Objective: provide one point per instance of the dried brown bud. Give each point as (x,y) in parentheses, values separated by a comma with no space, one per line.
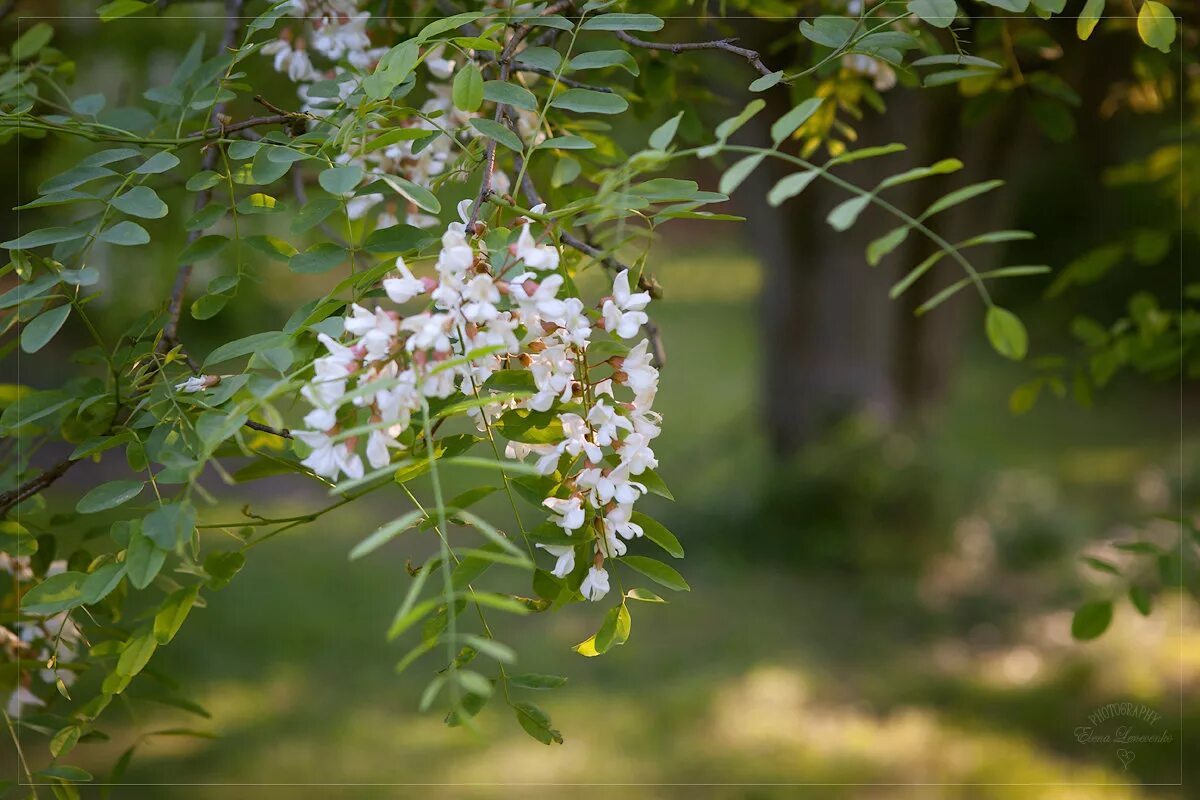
(537,346)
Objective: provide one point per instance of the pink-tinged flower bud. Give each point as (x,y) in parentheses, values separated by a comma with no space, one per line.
(352,443)
(419,357)
(429,283)
(472,330)
(598,561)
(530,286)
(503,287)
(549,327)
(537,346)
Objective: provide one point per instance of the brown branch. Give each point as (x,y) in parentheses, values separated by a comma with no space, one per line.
(258,426)
(716,44)
(233,11)
(34,485)
(488,58)
(505,60)
(223,130)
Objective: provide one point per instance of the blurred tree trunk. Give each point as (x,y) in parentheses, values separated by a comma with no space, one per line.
(834,343)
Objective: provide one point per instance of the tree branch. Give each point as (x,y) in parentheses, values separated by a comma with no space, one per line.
(716,44)
(233,11)
(505,61)
(34,485)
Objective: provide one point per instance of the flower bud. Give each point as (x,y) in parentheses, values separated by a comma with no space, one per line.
(536,346)
(530,286)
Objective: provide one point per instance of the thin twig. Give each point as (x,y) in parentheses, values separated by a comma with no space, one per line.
(222,130)
(34,485)
(233,11)
(505,61)
(258,426)
(716,44)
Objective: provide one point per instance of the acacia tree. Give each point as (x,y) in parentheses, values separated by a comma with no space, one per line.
(453,173)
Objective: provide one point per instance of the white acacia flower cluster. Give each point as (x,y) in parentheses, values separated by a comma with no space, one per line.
(339,35)
(46,640)
(478,317)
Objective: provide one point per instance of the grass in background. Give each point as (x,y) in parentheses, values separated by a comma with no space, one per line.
(957,668)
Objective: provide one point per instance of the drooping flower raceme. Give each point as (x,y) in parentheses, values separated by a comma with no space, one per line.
(507,336)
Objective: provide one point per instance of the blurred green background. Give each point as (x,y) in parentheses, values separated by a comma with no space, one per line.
(884,606)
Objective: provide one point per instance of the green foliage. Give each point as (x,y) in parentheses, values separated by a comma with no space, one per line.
(184,156)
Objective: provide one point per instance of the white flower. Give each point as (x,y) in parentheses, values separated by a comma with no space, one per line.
(22,698)
(639,375)
(553,375)
(357,207)
(330,458)
(537,299)
(456,256)
(574,326)
(623,313)
(386,219)
(479,296)
(198,383)
(335,40)
(439,67)
(569,511)
(404,288)
(377,330)
(429,332)
(595,584)
(605,422)
(292,60)
(636,455)
(378,444)
(565,555)
(617,521)
(542,257)
(611,485)
(576,431)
